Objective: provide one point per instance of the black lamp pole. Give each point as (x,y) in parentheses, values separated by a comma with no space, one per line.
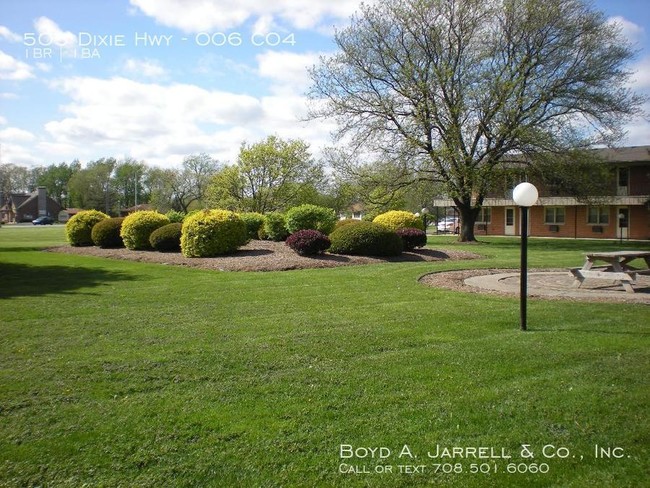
(523,278)
(525,195)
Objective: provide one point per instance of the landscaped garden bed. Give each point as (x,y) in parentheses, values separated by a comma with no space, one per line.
(260,255)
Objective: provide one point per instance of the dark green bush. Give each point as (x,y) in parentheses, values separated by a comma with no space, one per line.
(312,217)
(79,228)
(106,233)
(138,226)
(254,222)
(167,238)
(212,232)
(344,222)
(412,238)
(275,227)
(308,242)
(365,239)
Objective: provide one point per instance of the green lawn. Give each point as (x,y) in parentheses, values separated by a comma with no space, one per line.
(118,373)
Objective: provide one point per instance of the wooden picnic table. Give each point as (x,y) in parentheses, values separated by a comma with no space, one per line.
(617,267)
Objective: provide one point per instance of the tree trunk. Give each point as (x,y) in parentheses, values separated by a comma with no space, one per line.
(468,215)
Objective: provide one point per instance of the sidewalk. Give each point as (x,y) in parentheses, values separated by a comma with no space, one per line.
(560,284)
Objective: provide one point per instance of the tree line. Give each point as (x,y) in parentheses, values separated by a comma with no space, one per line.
(272,174)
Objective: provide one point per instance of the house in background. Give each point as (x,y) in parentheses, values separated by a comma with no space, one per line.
(354,211)
(623,215)
(25,207)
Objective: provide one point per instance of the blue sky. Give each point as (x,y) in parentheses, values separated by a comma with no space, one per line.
(158,80)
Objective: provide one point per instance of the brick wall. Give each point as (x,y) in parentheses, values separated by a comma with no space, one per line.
(575,223)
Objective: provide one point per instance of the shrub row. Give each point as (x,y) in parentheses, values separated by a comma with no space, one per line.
(213,232)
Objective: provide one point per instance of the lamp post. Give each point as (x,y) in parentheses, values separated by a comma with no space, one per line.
(525,195)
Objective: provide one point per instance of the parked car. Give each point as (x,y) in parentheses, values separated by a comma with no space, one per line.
(43,221)
(448,224)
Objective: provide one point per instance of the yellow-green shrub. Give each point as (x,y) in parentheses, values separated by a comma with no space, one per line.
(211,233)
(399,219)
(79,228)
(138,226)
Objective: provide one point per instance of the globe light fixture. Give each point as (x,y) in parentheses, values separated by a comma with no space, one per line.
(525,195)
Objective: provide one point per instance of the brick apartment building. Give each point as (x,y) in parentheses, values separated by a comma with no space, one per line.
(625,214)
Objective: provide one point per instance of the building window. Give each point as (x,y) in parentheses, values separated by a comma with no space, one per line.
(484,216)
(598,215)
(623,182)
(554,215)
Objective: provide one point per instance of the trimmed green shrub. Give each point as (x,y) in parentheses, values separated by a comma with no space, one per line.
(275,227)
(79,228)
(190,213)
(138,226)
(365,239)
(211,233)
(399,219)
(344,222)
(167,238)
(175,216)
(412,238)
(106,233)
(254,222)
(312,217)
(308,242)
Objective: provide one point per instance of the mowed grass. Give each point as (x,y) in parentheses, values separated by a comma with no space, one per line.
(118,373)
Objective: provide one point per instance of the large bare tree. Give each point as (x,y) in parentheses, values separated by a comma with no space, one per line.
(449,89)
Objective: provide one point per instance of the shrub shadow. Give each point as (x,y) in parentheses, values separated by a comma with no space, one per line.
(28,280)
(421,255)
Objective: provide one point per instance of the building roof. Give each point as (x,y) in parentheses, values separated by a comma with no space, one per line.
(625,154)
(18,199)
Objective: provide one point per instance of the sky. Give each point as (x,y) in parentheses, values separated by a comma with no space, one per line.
(158,80)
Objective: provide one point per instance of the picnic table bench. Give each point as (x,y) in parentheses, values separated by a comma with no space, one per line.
(617,268)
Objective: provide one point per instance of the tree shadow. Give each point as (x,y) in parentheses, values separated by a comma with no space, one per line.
(28,280)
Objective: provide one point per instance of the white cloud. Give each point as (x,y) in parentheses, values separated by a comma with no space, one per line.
(16,146)
(49,33)
(13,69)
(8,96)
(147,119)
(14,134)
(199,15)
(147,68)
(641,76)
(633,32)
(287,71)
(44,67)
(163,123)
(264,25)
(46,27)
(3,120)
(5,33)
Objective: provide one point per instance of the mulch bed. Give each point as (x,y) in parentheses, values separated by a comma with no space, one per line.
(262,256)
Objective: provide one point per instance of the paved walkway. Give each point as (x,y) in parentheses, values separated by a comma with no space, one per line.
(560,284)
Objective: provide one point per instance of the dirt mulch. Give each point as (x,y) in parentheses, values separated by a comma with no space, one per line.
(262,256)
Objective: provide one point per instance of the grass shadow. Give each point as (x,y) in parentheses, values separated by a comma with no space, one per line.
(28,280)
